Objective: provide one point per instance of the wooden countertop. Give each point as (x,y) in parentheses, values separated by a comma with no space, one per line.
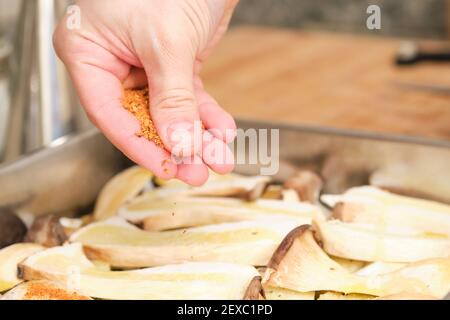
(335,80)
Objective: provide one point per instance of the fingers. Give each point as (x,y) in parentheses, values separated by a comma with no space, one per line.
(193,172)
(219,122)
(216,154)
(100,92)
(120,127)
(173,105)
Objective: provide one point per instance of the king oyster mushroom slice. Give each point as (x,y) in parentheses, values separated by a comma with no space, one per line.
(231,185)
(71,225)
(382,208)
(300,264)
(42,290)
(195,280)
(123,245)
(273,191)
(290,195)
(47,231)
(378,267)
(407,296)
(330,295)
(10,257)
(367,242)
(277,293)
(119,190)
(180,212)
(350,265)
(12,228)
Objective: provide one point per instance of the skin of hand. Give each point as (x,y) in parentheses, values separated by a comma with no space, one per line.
(162,44)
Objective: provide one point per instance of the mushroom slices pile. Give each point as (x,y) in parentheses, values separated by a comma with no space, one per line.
(236,237)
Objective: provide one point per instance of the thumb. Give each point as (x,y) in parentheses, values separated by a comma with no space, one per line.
(173,105)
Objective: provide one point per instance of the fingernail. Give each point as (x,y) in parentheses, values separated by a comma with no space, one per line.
(180,136)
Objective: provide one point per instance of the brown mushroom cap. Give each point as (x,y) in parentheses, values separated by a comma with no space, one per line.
(255,289)
(47,231)
(12,228)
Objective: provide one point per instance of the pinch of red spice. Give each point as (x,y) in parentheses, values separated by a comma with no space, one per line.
(136,101)
(41,291)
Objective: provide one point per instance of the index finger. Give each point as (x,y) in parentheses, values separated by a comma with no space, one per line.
(100,93)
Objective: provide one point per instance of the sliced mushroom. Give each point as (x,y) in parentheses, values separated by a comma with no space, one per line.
(307,184)
(377,268)
(290,195)
(71,225)
(69,265)
(180,212)
(254,290)
(300,264)
(12,228)
(330,295)
(273,192)
(42,290)
(368,242)
(123,245)
(407,296)
(276,293)
(47,231)
(350,265)
(382,208)
(10,257)
(119,190)
(230,185)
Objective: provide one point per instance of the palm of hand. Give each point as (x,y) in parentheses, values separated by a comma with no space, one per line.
(161,44)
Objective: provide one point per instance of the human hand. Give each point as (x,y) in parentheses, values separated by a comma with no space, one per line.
(162,44)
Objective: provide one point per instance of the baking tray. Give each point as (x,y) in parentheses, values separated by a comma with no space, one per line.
(66,177)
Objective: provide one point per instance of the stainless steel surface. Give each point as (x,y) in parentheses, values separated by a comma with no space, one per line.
(61,178)
(65,177)
(5,50)
(68,175)
(44,106)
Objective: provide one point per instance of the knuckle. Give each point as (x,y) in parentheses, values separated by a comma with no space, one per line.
(173,100)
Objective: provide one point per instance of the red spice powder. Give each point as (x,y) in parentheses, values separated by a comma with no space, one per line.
(137,102)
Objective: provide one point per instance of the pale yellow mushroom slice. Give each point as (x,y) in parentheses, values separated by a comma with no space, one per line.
(300,264)
(180,212)
(231,185)
(123,245)
(119,190)
(350,265)
(382,208)
(290,195)
(330,295)
(370,243)
(71,225)
(407,296)
(68,265)
(10,257)
(273,191)
(378,267)
(42,290)
(276,293)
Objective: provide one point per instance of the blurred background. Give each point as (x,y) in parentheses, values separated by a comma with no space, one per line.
(299,61)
